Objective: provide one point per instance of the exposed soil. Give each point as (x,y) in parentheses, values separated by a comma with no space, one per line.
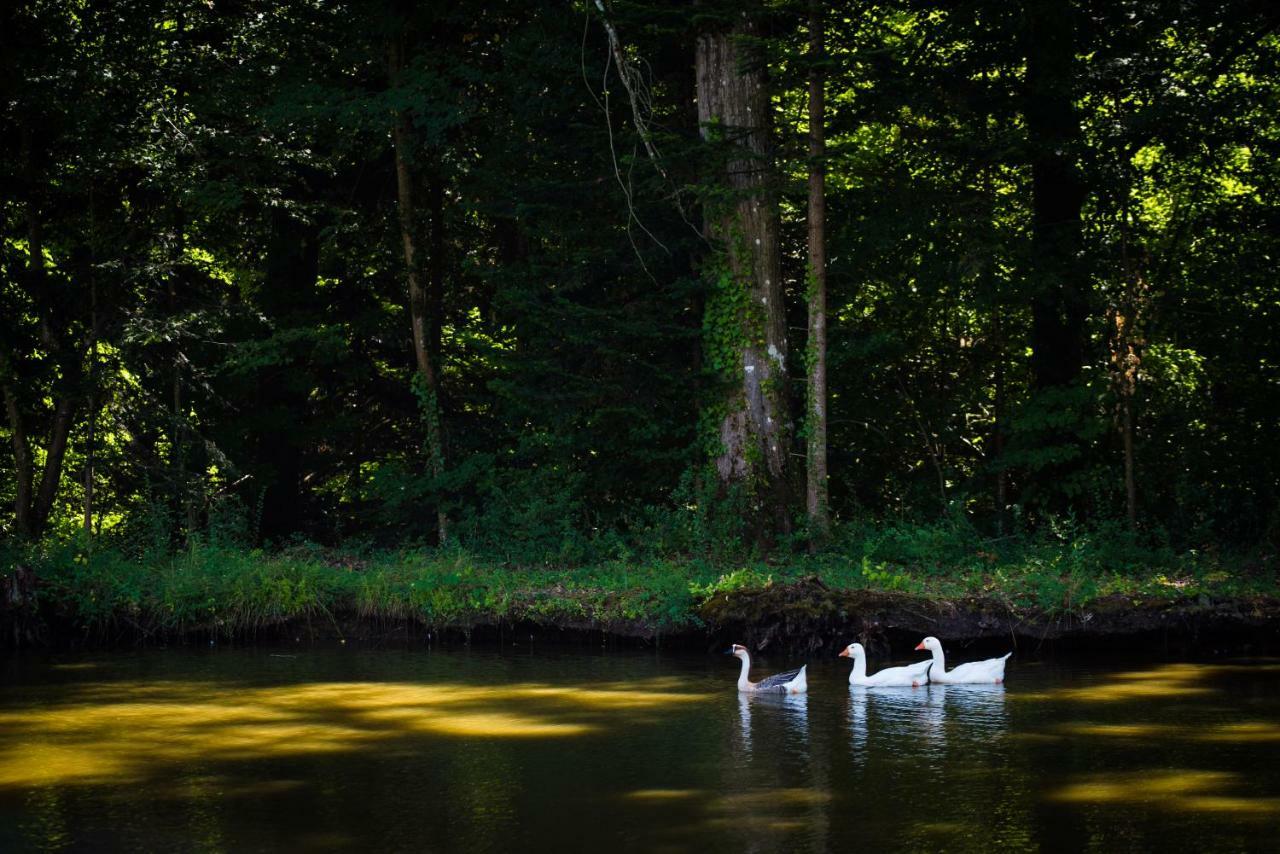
(810,617)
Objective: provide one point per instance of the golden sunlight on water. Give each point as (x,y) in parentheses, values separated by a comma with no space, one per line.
(1179,791)
(1246,731)
(1164,682)
(118,732)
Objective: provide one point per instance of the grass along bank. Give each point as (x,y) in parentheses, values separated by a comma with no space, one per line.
(231,591)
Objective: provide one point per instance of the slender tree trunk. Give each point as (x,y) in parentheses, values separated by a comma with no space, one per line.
(436,267)
(744,310)
(34,505)
(1130,479)
(64,406)
(183,506)
(92,403)
(177,459)
(998,426)
(63,416)
(816,496)
(1127,320)
(401,137)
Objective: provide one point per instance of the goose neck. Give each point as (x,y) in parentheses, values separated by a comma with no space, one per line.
(939,661)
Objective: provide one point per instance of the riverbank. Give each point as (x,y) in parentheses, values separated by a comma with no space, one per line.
(65,594)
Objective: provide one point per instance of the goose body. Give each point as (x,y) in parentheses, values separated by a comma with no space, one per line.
(790,682)
(990,671)
(913,675)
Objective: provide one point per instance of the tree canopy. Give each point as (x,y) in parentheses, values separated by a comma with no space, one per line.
(534,276)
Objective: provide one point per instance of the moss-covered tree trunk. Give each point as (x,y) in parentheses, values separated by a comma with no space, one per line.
(745,329)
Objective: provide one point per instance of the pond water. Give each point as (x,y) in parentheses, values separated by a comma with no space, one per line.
(524,749)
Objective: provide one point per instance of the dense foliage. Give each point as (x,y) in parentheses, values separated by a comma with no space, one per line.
(1052,229)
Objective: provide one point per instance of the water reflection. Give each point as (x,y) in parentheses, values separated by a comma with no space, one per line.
(857,719)
(791,710)
(754,806)
(981,708)
(901,718)
(911,714)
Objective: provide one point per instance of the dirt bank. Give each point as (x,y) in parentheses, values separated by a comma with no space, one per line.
(808,616)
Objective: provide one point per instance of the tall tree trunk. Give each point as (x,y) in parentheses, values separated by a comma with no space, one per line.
(436,266)
(63,416)
(745,321)
(816,497)
(1128,316)
(1059,304)
(183,500)
(92,395)
(998,424)
(401,138)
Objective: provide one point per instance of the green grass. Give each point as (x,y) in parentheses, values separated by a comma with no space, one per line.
(229,590)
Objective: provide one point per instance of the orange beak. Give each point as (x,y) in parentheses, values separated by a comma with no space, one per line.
(844,653)
(920,645)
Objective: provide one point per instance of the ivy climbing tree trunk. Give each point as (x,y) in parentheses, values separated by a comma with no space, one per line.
(746,333)
(816,501)
(427,384)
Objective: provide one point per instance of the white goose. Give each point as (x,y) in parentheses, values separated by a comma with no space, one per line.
(791,682)
(989,671)
(914,675)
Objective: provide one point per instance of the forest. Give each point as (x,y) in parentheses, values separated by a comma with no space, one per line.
(905,294)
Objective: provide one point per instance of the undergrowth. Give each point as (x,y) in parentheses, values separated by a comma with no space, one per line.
(227,589)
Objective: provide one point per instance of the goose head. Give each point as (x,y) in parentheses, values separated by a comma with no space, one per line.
(737,650)
(853,650)
(930,643)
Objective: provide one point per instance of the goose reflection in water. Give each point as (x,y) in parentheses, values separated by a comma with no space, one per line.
(858,718)
(969,712)
(982,708)
(893,712)
(791,709)
(925,717)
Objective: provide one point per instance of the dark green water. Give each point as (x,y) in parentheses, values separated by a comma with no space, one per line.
(429,750)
